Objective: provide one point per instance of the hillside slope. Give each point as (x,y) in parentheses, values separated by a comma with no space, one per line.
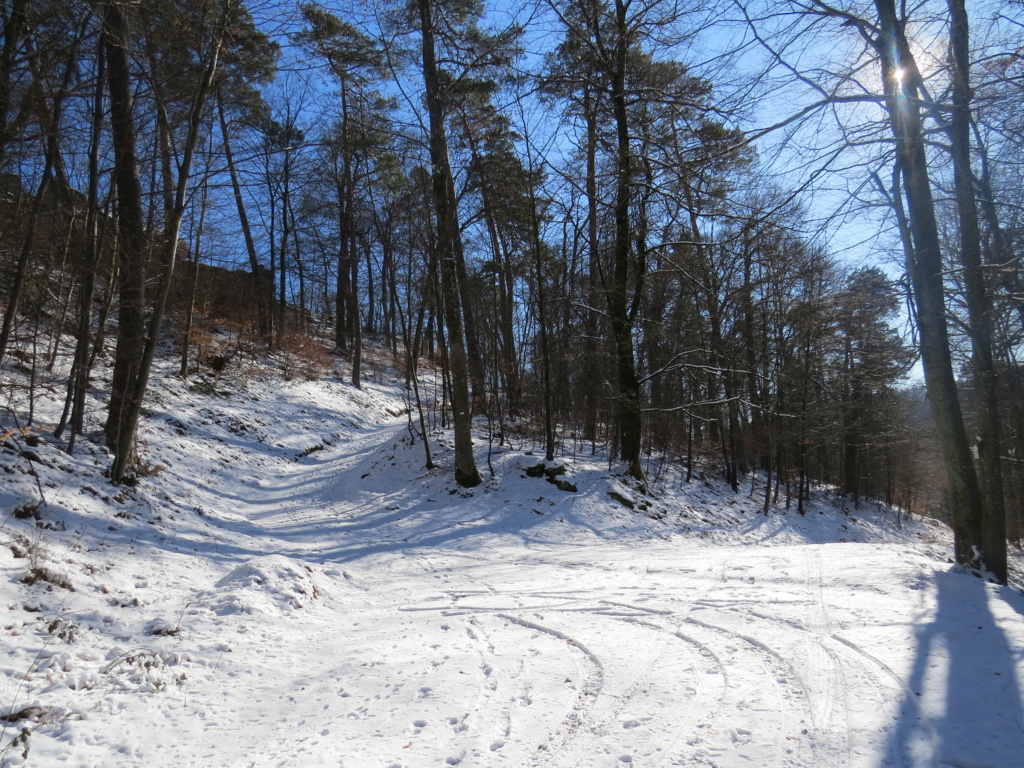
(289,587)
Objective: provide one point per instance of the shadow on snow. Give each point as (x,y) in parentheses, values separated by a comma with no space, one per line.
(963,701)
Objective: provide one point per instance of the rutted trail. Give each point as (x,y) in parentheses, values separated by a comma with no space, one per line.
(534,653)
(479,643)
(324,600)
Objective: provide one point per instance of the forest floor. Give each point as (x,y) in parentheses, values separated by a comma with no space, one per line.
(288,586)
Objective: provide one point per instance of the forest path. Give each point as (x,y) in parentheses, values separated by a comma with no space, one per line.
(452,631)
(293,588)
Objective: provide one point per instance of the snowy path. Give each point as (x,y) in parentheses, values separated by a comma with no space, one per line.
(345,607)
(448,636)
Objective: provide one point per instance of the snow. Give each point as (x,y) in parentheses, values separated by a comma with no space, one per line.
(288,586)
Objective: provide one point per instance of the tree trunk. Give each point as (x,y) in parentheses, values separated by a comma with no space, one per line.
(545,350)
(186,336)
(617,291)
(78,381)
(357,325)
(591,318)
(14,27)
(262,306)
(900,77)
(342,301)
(282,275)
(131,327)
(50,161)
(979,303)
(130,408)
(466,472)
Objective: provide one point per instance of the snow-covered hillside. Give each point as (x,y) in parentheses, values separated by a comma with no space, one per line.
(288,586)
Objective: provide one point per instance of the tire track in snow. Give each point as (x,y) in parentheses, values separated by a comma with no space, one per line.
(855,699)
(643,709)
(592,672)
(827,677)
(703,707)
(645,701)
(870,690)
(850,673)
(910,698)
(618,712)
(824,666)
(631,715)
(774,734)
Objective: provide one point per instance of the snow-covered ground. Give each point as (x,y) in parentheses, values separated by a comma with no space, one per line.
(290,587)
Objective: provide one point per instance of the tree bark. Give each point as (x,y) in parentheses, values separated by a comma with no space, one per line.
(545,349)
(466,472)
(78,382)
(131,327)
(900,77)
(262,305)
(51,160)
(14,28)
(197,250)
(979,302)
(591,319)
(130,406)
(617,291)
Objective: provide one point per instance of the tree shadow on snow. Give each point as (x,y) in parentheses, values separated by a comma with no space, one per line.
(963,700)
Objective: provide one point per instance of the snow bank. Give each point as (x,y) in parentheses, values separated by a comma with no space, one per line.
(269,584)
